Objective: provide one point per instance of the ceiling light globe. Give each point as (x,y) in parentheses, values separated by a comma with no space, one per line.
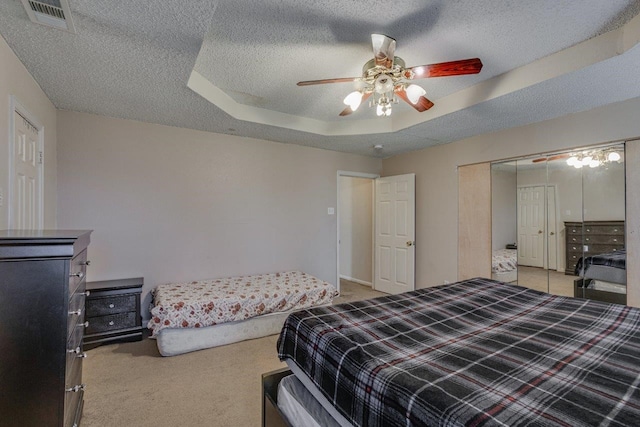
(414,92)
(594,163)
(353,100)
(379,110)
(586,160)
(571,161)
(578,165)
(613,156)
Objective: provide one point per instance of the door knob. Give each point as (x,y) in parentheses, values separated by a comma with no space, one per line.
(539,231)
(411,243)
(552,234)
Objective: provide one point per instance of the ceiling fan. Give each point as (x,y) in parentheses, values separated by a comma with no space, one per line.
(386,78)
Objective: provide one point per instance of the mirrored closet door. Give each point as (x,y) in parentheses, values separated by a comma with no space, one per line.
(558,222)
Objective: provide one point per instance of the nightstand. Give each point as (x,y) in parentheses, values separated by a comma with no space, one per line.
(112,309)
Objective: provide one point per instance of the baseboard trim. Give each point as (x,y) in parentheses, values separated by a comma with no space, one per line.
(358,281)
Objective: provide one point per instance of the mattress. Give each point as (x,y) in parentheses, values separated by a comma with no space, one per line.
(601,285)
(507,276)
(606,273)
(504,260)
(175,341)
(477,352)
(212,302)
(300,407)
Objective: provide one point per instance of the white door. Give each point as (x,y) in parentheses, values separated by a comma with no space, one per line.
(552,236)
(531,219)
(395,234)
(26,205)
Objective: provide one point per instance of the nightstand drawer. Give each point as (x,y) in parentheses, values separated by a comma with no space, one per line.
(111,305)
(111,323)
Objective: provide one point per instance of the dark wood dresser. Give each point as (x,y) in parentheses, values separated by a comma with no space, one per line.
(113,311)
(594,237)
(42,293)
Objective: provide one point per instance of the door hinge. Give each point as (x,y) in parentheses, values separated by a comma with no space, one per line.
(40,157)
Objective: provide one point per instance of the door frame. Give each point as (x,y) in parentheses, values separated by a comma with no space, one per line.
(351,174)
(15,106)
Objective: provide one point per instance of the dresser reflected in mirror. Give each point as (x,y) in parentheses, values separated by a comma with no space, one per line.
(558,223)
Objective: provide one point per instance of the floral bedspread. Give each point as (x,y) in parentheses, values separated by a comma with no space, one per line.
(210,302)
(504,260)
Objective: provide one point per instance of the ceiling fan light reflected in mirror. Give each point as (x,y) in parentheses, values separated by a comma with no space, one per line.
(571,161)
(613,156)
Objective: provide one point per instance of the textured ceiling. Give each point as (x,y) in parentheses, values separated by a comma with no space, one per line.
(134,59)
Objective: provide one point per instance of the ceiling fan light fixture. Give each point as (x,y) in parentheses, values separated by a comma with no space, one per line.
(571,161)
(594,163)
(353,100)
(414,92)
(613,156)
(586,160)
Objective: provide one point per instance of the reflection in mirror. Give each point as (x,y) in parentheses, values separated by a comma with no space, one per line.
(535,199)
(603,263)
(565,214)
(504,261)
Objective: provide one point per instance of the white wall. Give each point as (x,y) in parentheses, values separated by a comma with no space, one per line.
(436,174)
(173,204)
(356,229)
(15,80)
(503,208)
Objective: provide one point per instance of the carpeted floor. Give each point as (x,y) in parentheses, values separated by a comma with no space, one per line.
(130,384)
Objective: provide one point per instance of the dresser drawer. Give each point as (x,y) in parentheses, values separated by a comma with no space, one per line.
(113,322)
(601,249)
(74,353)
(573,229)
(77,271)
(604,229)
(74,391)
(111,305)
(610,239)
(75,312)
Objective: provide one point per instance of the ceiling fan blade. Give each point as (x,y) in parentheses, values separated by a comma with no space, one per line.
(348,110)
(423,103)
(324,81)
(443,69)
(551,158)
(384,48)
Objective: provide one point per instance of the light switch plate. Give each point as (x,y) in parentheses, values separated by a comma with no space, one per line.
(331,211)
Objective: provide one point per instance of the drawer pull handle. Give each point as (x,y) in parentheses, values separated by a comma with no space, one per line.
(77,312)
(574,239)
(86,293)
(83,325)
(615,229)
(111,305)
(111,323)
(76,388)
(615,240)
(79,275)
(82,355)
(76,350)
(87,262)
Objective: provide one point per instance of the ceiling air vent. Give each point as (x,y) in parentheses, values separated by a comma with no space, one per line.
(52,13)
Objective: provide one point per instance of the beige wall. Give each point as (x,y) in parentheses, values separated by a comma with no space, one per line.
(436,174)
(15,80)
(356,229)
(173,204)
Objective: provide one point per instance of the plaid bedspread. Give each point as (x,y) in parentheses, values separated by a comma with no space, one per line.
(473,353)
(617,259)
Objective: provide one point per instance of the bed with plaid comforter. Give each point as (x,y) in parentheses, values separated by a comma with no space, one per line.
(616,259)
(474,353)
